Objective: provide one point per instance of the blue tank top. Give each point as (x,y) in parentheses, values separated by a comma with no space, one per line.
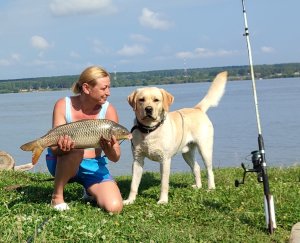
(68,114)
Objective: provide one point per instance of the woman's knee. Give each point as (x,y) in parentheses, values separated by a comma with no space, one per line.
(108,196)
(112,206)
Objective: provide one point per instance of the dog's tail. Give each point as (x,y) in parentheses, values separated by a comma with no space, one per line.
(215,92)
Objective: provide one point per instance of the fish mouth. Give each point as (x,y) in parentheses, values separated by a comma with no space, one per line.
(128,136)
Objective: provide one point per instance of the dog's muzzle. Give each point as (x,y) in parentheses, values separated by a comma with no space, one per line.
(149,110)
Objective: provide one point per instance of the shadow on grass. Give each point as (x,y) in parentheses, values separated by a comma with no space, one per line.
(219,206)
(32,194)
(149,180)
(149,186)
(41,191)
(251,223)
(224,209)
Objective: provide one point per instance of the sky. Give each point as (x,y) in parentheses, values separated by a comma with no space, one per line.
(42,38)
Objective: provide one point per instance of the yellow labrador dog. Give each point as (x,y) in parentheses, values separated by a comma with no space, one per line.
(159,134)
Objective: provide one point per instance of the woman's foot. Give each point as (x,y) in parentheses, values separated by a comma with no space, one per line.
(60,207)
(58,203)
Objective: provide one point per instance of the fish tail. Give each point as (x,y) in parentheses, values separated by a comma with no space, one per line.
(36,149)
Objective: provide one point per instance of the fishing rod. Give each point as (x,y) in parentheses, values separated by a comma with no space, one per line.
(258,156)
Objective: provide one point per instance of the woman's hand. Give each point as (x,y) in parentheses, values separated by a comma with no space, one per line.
(107,145)
(65,143)
(111,148)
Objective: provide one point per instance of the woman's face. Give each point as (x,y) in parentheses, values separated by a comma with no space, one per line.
(101,90)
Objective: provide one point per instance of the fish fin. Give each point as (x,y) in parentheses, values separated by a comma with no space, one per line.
(36,149)
(36,154)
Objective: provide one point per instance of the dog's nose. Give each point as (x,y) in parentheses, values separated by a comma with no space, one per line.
(149,110)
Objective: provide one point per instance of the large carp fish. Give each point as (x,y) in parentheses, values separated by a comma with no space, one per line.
(85,134)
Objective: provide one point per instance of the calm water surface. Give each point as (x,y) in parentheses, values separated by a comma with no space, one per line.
(27,116)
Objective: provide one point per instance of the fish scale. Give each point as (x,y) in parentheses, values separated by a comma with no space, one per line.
(85,134)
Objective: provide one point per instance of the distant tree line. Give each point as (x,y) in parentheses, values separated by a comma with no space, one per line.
(158,77)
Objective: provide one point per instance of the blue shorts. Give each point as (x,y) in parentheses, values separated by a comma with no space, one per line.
(90,172)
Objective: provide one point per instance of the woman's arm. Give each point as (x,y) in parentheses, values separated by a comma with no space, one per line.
(65,143)
(111,148)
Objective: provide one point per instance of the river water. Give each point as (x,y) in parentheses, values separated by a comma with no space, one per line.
(27,116)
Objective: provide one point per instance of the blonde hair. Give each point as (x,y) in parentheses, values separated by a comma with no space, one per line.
(89,76)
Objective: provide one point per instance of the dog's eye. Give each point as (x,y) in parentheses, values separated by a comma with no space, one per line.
(156,100)
(141,99)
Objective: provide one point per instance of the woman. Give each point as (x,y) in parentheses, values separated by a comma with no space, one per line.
(86,166)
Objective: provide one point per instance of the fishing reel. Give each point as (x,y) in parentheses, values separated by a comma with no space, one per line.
(257,167)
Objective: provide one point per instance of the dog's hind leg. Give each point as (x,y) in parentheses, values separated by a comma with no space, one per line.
(205,149)
(189,158)
(137,171)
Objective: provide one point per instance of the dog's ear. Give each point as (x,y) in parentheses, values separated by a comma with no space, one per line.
(132,100)
(167,99)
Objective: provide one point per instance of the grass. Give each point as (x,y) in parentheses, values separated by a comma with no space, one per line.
(227,214)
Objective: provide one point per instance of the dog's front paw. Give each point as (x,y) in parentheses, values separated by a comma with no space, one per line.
(211,188)
(162,201)
(196,186)
(128,202)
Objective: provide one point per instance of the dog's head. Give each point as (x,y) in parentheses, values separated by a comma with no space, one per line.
(150,104)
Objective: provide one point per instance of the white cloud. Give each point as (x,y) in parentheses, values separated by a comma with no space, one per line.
(140,38)
(153,20)
(132,50)
(73,7)
(15,57)
(204,53)
(267,49)
(5,62)
(74,54)
(39,42)
(12,59)
(99,47)
(39,62)
(125,61)
(185,54)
